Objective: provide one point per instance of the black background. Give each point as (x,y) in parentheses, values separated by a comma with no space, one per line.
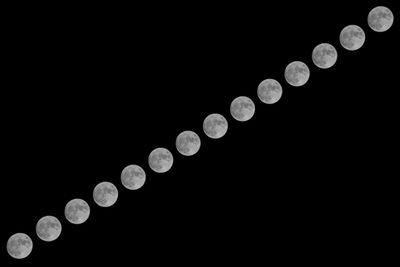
(86,91)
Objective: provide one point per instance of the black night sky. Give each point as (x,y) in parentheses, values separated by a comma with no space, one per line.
(86,91)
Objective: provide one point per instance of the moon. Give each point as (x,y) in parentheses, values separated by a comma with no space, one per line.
(161,160)
(188,143)
(380,19)
(324,55)
(352,37)
(77,211)
(215,126)
(19,246)
(105,194)
(297,73)
(242,108)
(133,177)
(269,91)
(48,228)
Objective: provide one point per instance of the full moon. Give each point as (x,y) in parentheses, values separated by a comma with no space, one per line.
(77,211)
(380,19)
(105,194)
(133,177)
(215,126)
(160,160)
(188,143)
(324,55)
(352,37)
(48,228)
(19,245)
(269,91)
(297,73)
(242,108)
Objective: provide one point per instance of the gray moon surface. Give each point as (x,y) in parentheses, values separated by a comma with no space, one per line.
(19,246)
(105,194)
(297,73)
(269,91)
(77,211)
(380,19)
(133,177)
(352,37)
(188,143)
(215,126)
(48,228)
(324,55)
(242,108)
(161,160)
